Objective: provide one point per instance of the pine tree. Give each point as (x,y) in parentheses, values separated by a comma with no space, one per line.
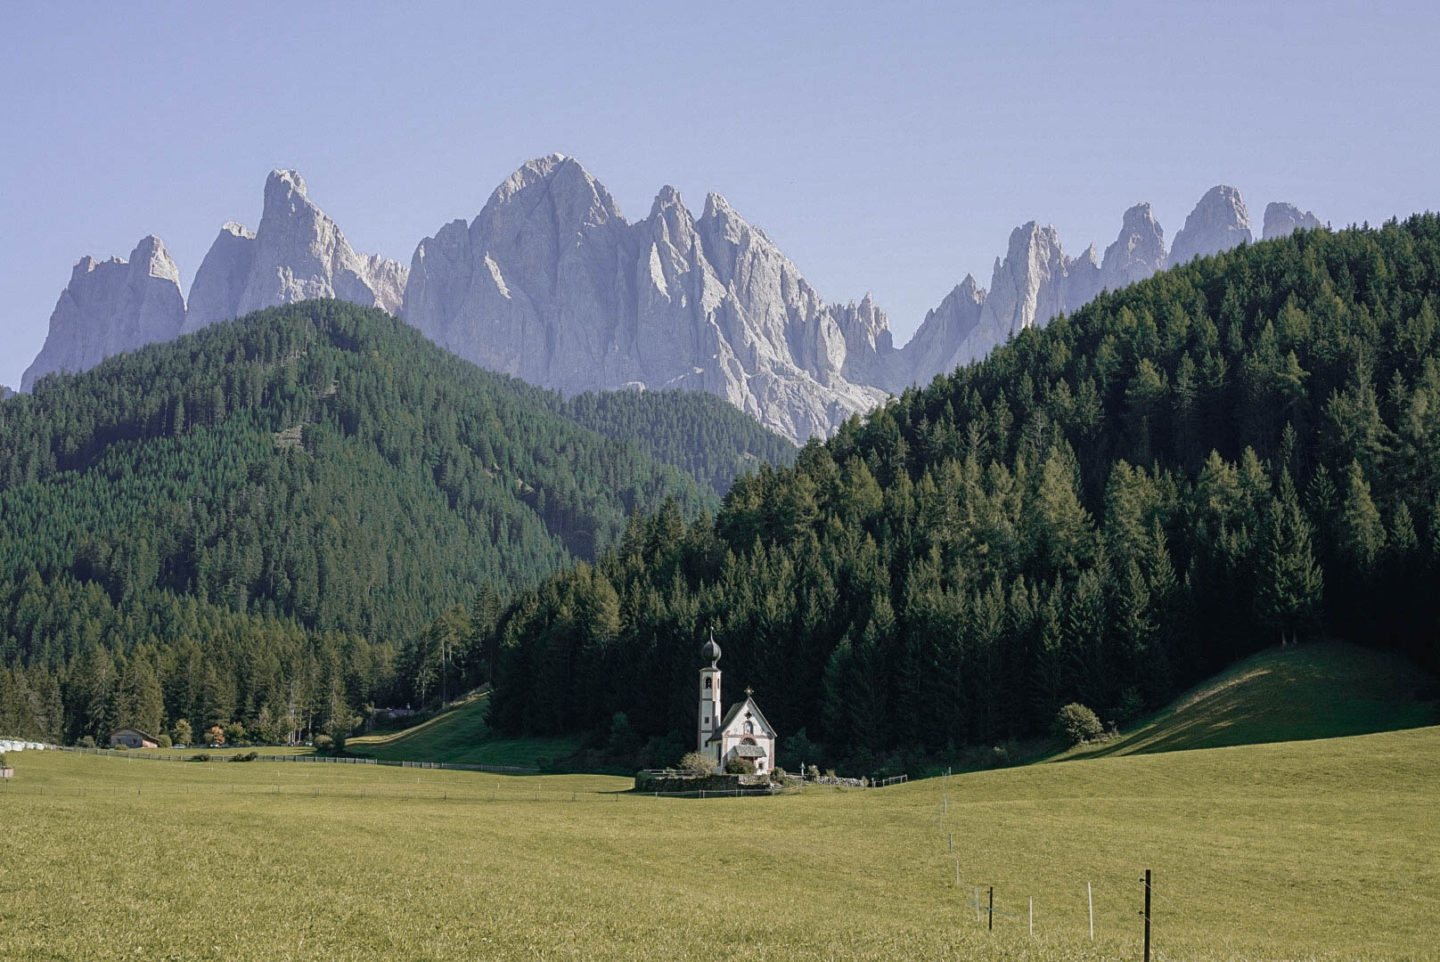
(1290,582)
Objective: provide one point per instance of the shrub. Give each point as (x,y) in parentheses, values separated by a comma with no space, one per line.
(201,757)
(245,757)
(323,743)
(87,741)
(735,765)
(697,763)
(1078,724)
(163,741)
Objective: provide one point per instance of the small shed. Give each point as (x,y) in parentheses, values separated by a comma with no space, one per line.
(132,738)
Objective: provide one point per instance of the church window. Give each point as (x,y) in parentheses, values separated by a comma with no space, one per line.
(707,684)
(749,728)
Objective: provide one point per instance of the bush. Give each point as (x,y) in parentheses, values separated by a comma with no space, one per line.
(88,741)
(163,741)
(201,757)
(697,763)
(1078,724)
(245,757)
(323,743)
(735,765)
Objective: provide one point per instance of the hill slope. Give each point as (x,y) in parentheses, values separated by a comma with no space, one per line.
(1232,452)
(1326,689)
(459,734)
(319,466)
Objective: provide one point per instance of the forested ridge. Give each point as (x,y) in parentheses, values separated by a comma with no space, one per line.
(245,525)
(1232,454)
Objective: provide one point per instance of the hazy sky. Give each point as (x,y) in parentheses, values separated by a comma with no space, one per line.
(884,148)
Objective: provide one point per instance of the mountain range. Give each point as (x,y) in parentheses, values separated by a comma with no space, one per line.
(551,283)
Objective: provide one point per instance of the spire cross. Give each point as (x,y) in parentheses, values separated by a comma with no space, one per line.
(749,692)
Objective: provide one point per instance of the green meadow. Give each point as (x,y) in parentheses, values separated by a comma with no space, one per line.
(1324,849)
(459,734)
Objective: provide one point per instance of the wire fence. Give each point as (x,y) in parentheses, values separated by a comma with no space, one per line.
(984,900)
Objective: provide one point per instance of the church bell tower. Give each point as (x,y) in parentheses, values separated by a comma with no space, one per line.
(709,718)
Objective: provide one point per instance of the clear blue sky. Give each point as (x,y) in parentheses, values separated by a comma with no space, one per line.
(886,149)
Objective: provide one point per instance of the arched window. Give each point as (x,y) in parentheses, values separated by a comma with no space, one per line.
(708,682)
(749,728)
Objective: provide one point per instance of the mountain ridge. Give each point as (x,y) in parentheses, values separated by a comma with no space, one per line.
(550,283)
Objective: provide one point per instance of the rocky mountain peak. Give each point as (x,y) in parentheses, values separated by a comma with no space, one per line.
(285,194)
(563,185)
(1218,223)
(1282,220)
(109,307)
(1137,253)
(297,253)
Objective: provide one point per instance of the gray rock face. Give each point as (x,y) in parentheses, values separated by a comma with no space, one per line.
(942,342)
(1137,253)
(297,253)
(1218,223)
(221,280)
(109,307)
(552,284)
(1282,220)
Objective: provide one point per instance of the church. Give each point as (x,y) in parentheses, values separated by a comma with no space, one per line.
(743,732)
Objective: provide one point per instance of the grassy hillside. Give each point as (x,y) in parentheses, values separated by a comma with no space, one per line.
(1320,690)
(460,735)
(1259,852)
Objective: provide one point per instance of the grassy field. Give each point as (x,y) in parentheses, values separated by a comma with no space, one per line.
(1321,690)
(460,735)
(1317,849)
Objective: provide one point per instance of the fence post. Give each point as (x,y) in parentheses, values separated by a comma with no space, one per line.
(1090,899)
(1032,915)
(977,903)
(1147,915)
(992,911)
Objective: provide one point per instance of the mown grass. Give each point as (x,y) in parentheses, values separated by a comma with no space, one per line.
(1325,689)
(1318,849)
(460,735)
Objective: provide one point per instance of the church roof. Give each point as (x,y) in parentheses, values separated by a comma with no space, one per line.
(734,711)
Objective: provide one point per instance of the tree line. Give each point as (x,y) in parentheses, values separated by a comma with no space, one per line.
(1241,452)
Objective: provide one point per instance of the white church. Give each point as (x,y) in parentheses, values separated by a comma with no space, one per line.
(742,733)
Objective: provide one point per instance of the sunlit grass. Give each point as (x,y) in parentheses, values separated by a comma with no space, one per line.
(460,735)
(1261,852)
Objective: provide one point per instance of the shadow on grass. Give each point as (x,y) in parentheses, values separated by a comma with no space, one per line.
(460,735)
(1327,689)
